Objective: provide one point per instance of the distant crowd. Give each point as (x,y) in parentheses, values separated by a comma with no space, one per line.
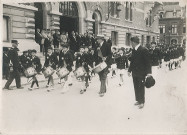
(47,38)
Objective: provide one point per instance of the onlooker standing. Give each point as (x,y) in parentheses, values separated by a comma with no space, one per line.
(140,67)
(38,38)
(13,55)
(42,41)
(56,39)
(63,38)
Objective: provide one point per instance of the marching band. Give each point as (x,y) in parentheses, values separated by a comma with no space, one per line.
(83,62)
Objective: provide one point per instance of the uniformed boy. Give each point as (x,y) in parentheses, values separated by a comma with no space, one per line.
(114,54)
(24,60)
(50,61)
(36,64)
(66,60)
(122,64)
(83,61)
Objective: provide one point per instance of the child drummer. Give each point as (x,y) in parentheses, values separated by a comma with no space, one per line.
(122,64)
(35,63)
(50,61)
(83,61)
(66,60)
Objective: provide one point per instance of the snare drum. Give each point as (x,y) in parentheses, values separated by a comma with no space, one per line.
(48,71)
(80,72)
(62,72)
(100,67)
(29,72)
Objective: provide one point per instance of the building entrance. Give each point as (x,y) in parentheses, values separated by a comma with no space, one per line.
(69,21)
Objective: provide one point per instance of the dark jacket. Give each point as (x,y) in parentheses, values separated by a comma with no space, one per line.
(14,58)
(51,60)
(122,62)
(38,37)
(35,62)
(56,39)
(82,61)
(106,52)
(140,64)
(47,43)
(24,61)
(65,58)
(155,57)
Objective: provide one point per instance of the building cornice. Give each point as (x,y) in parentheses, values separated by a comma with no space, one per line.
(127,27)
(28,7)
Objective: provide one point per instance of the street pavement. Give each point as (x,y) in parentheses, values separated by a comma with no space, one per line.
(38,111)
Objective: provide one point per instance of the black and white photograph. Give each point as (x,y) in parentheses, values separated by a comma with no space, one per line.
(93,67)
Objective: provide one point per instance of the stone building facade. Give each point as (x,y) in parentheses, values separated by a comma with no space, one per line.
(118,20)
(172,23)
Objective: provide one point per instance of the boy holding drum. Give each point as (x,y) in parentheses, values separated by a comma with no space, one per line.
(65,61)
(82,67)
(36,64)
(51,62)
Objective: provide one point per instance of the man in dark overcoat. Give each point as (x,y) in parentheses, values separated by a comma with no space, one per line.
(140,67)
(14,59)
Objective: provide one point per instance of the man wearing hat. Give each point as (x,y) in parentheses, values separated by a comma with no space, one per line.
(13,55)
(140,67)
(103,54)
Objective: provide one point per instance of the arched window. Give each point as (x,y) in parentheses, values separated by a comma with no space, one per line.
(127,11)
(130,11)
(96,24)
(161,14)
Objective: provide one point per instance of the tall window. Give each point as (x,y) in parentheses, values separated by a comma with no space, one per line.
(68,9)
(5,28)
(162,29)
(150,18)
(184,28)
(114,38)
(130,11)
(147,21)
(114,9)
(127,11)
(174,28)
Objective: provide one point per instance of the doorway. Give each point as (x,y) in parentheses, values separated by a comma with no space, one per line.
(38,16)
(69,24)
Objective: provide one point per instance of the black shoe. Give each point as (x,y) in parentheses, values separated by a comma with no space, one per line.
(70,84)
(137,103)
(82,91)
(20,87)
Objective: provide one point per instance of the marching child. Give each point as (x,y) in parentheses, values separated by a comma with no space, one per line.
(36,64)
(66,60)
(50,61)
(113,66)
(122,64)
(83,61)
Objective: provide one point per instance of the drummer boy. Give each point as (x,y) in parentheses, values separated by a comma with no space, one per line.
(66,60)
(82,60)
(50,61)
(36,64)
